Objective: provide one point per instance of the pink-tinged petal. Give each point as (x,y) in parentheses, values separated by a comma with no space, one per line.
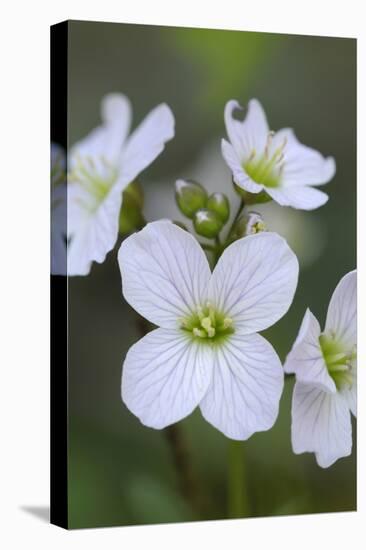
(306,357)
(341,320)
(246,386)
(254,281)
(321,424)
(165,273)
(165,375)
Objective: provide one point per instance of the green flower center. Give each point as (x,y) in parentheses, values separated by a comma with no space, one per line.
(96,178)
(208,325)
(339,361)
(266,168)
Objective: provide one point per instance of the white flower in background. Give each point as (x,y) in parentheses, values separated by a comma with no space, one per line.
(100,168)
(325,367)
(277,163)
(207,351)
(58,210)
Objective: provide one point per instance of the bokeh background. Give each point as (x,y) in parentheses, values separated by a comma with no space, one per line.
(120,472)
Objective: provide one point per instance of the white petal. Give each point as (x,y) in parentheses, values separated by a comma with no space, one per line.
(300,197)
(290,365)
(321,423)
(117,113)
(350,395)
(105,141)
(165,375)
(342,311)
(165,273)
(147,142)
(302,165)
(246,386)
(254,281)
(306,357)
(93,235)
(240,176)
(250,134)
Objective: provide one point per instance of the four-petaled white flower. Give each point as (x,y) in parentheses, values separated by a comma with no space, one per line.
(276,163)
(325,367)
(207,351)
(100,167)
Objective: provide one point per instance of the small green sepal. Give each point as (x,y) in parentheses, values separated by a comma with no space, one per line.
(252,198)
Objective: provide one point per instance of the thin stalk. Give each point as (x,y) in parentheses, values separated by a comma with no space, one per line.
(208,247)
(240,209)
(188,484)
(237,495)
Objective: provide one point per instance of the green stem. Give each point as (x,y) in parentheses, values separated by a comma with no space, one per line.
(188,482)
(240,209)
(208,247)
(237,496)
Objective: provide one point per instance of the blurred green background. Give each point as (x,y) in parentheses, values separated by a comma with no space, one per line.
(120,472)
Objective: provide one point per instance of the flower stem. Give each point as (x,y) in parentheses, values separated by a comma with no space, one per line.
(188,485)
(240,209)
(237,497)
(208,247)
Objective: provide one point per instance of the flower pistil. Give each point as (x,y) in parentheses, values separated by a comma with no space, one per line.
(266,168)
(208,324)
(338,360)
(96,179)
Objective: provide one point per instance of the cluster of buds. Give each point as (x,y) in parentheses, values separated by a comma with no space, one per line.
(209,213)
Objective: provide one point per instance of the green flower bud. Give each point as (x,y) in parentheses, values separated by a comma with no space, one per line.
(190,197)
(131,216)
(219,203)
(248,224)
(207,223)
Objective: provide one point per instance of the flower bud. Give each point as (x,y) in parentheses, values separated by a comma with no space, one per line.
(218,202)
(190,197)
(249,224)
(207,223)
(131,216)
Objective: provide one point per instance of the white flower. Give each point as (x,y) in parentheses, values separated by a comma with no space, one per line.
(101,166)
(276,163)
(206,351)
(58,210)
(325,388)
